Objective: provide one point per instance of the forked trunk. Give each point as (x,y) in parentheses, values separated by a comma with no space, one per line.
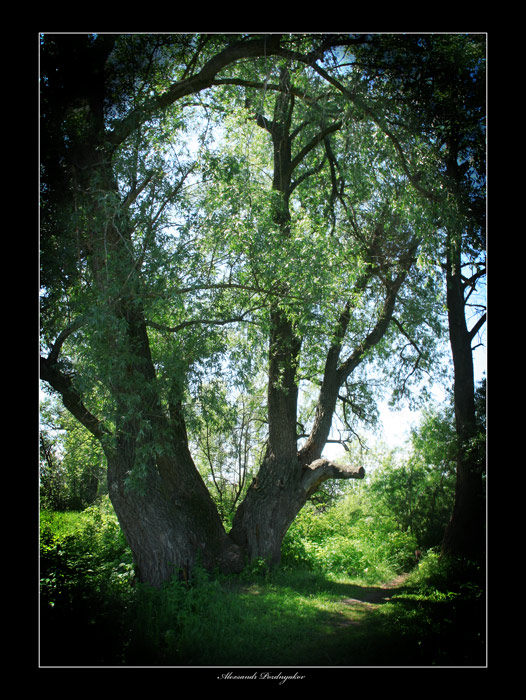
(170,531)
(274,499)
(272,502)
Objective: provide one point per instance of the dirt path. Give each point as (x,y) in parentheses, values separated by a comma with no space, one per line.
(379,594)
(370,598)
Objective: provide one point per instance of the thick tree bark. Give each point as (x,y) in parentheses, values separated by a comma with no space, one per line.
(275,497)
(169,527)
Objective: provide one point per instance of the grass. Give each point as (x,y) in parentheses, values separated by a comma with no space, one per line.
(93,615)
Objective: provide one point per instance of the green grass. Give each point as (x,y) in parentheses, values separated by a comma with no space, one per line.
(93,614)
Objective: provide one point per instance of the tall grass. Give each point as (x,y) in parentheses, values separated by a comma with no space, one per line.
(86,572)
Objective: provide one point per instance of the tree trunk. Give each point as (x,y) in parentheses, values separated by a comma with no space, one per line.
(170,530)
(288,477)
(164,508)
(274,499)
(465,533)
(162,504)
(275,495)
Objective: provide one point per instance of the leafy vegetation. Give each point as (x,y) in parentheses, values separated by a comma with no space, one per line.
(91,614)
(237,233)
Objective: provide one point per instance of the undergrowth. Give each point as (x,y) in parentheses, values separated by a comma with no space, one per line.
(94,613)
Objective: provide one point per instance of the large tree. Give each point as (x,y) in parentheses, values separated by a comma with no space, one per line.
(161,248)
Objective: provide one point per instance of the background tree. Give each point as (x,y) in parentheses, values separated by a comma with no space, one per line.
(72,465)
(51,475)
(229,440)
(437,88)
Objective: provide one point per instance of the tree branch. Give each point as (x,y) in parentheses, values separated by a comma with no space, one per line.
(50,373)
(136,191)
(314,142)
(59,342)
(374,337)
(203,322)
(355,99)
(266,46)
(411,342)
(305,175)
(323,469)
(478,325)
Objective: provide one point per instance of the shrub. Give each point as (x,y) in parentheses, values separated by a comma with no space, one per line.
(86,570)
(83,550)
(448,574)
(351,537)
(179,623)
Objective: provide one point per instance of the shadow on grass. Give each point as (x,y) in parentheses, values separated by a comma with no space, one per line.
(285,619)
(308,583)
(350,624)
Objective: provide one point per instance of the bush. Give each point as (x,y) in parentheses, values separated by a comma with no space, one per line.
(348,539)
(448,574)
(83,550)
(85,574)
(179,623)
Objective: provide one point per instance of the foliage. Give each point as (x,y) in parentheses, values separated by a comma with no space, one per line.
(93,613)
(85,573)
(446,574)
(229,434)
(373,530)
(417,491)
(72,465)
(218,232)
(86,547)
(350,538)
(201,219)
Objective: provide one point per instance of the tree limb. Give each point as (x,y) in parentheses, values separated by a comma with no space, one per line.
(265,46)
(203,322)
(136,191)
(411,342)
(478,325)
(323,469)
(306,174)
(321,136)
(59,342)
(50,373)
(355,99)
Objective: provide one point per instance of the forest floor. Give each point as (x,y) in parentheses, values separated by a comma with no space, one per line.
(288,621)
(91,615)
(343,623)
(378,594)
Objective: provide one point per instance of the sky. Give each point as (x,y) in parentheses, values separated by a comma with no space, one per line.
(396,425)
